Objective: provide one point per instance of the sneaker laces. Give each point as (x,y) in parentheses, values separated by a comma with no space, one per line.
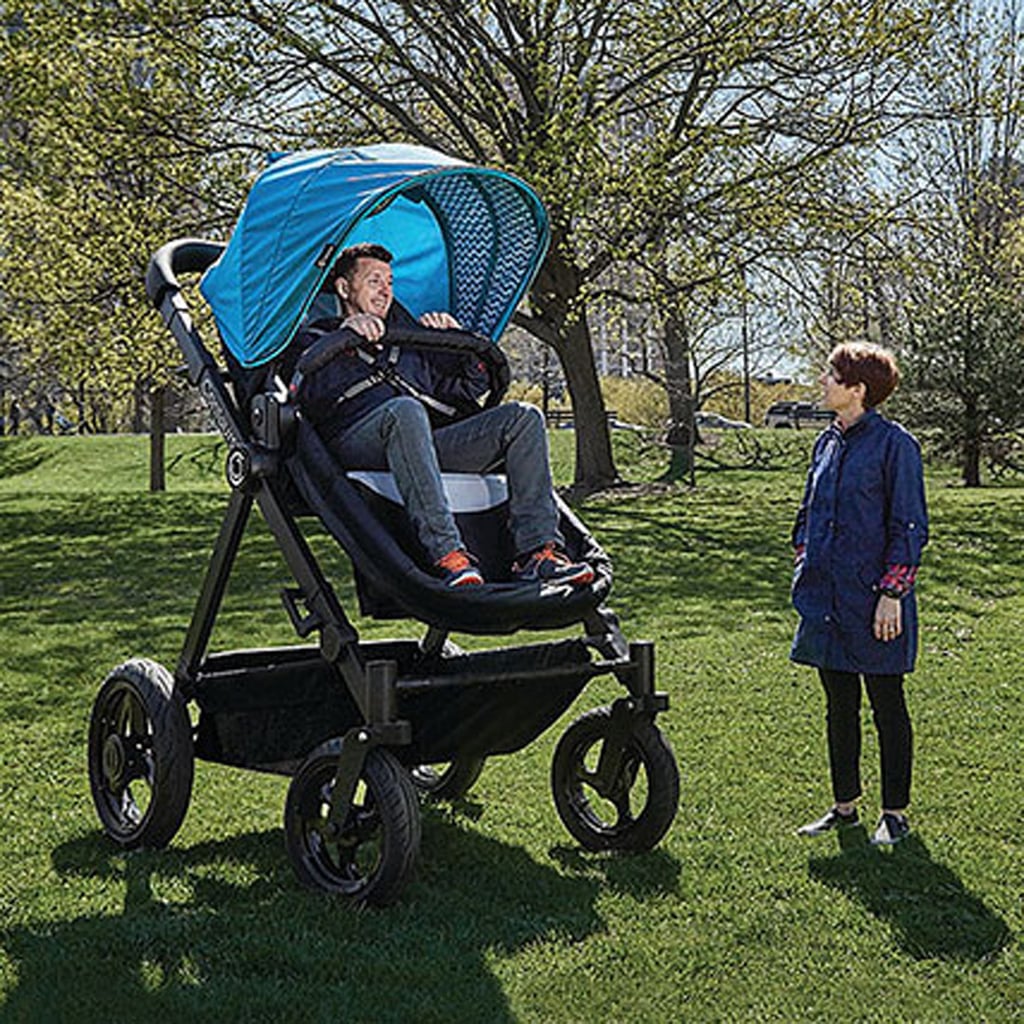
(549,553)
(562,567)
(459,569)
(455,561)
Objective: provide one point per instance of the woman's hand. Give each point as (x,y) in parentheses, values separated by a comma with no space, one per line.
(888,618)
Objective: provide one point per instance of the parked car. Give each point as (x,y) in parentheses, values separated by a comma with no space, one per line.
(796,415)
(716,421)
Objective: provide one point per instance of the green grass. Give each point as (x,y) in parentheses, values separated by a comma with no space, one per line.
(732,918)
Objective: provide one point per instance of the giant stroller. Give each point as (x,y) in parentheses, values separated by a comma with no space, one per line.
(368,729)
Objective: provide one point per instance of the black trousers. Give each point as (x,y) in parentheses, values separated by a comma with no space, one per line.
(895,736)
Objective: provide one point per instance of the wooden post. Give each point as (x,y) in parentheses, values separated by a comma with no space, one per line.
(157,477)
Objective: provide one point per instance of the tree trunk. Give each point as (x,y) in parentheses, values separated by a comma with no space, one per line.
(157,476)
(681,436)
(139,395)
(970,448)
(595,464)
(971,462)
(558,300)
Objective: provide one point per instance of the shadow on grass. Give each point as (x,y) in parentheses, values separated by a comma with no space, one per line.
(931,913)
(224,924)
(22,455)
(137,560)
(651,874)
(697,556)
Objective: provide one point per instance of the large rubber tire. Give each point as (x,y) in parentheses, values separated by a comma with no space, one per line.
(451,780)
(629,812)
(141,760)
(375,853)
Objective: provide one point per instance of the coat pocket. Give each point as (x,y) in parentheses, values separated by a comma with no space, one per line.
(809,591)
(857,600)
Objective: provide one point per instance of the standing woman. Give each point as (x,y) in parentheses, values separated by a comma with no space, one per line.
(858,539)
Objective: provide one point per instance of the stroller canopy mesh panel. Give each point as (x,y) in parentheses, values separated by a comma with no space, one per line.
(465,239)
(485,216)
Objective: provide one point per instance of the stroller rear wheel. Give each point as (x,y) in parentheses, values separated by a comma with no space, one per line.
(449,780)
(615,788)
(373,854)
(140,755)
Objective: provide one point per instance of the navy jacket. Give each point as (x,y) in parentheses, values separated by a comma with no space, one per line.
(863,510)
(448,383)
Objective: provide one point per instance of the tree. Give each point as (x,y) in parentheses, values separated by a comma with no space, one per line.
(639,122)
(530,87)
(963,332)
(786,106)
(679,138)
(103,162)
(968,376)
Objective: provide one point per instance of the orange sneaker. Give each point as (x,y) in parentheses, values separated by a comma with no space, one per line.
(458,570)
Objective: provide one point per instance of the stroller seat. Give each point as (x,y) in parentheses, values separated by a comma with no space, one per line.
(363,512)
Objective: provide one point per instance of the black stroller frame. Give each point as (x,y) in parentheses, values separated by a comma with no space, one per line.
(360,726)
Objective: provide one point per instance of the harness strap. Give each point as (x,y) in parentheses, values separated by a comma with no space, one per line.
(360,386)
(387,374)
(430,400)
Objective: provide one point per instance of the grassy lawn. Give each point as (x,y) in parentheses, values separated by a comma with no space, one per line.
(732,918)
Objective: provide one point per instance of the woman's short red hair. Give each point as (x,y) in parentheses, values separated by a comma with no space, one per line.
(871,365)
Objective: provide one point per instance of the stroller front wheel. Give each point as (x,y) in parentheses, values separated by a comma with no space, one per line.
(373,854)
(615,788)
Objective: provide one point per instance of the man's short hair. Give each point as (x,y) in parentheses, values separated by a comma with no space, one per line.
(345,264)
(871,365)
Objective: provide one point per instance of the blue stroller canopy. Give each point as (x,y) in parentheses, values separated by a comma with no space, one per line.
(465,239)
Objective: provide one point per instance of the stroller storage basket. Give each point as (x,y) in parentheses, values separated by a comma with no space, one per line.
(267,708)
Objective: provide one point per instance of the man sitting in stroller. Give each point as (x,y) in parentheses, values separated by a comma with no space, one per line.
(373,404)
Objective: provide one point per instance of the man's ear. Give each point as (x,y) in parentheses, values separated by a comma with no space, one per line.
(341,287)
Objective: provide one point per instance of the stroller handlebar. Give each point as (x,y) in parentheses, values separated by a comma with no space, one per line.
(192,255)
(182,256)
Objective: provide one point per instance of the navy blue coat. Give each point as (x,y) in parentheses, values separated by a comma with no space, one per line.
(453,379)
(863,510)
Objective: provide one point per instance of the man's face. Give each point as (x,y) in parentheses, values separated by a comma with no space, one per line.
(369,290)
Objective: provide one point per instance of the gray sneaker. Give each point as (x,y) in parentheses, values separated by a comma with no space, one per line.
(833,818)
(550,564)
(891,829)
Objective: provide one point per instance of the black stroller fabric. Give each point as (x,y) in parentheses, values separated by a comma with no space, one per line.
(499,700)
(395,577)
(269,708)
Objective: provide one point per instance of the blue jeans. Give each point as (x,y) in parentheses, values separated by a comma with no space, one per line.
(397,436)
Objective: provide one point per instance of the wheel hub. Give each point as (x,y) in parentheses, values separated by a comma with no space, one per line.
(114,760)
